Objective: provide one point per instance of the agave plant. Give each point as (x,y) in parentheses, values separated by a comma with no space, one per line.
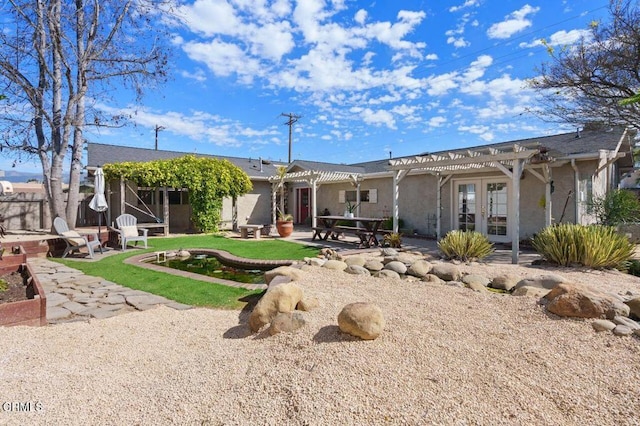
(594,246)
(465,245)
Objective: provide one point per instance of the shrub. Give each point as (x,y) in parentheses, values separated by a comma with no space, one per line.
(633,267)
(465,245)
(594,246)
(393,239)
(619,206)
(388,224)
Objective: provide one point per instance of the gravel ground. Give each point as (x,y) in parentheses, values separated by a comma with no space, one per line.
(447,356)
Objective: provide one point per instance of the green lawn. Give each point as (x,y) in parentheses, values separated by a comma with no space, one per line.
(185,290)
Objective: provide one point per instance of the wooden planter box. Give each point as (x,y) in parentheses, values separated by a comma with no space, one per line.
(25,312)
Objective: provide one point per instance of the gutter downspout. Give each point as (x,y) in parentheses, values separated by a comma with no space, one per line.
(576,189)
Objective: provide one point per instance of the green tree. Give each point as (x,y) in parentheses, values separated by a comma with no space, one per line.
(57,55)
(590,81)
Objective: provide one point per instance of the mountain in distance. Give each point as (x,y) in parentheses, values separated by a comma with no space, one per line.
(16,177)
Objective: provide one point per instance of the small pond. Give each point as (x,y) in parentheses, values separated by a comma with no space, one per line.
(209,265)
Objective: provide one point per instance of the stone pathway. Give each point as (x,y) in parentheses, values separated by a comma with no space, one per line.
(74,296)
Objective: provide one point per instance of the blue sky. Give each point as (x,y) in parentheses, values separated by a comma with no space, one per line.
(366,77)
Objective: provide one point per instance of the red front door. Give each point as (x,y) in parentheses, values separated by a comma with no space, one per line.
(303,204)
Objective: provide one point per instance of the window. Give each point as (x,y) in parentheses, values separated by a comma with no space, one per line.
(366,196)
(147,196)
(585,187)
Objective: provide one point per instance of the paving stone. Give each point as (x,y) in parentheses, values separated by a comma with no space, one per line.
(113,307)
(86,300)
(55,299)
(74,307)
(67,291)
(147,299)
(178,306)
(56,312)
(100,313)
(142,307)
(113,299)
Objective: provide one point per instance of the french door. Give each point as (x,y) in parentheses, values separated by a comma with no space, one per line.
(483,205)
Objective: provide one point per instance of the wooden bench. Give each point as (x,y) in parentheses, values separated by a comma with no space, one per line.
(245,230)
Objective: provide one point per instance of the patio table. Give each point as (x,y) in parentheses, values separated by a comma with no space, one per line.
(365,228)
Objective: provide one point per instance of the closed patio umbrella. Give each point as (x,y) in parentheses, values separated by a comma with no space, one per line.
(99,202)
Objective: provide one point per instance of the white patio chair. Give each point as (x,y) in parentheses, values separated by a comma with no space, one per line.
(74,240)
(128,230)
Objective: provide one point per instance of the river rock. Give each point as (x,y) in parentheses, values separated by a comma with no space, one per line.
(430,278)
(622,330)
(335,265)
(603,325)
(530,291)
(548,281)
(388,251)
(373,265)
(396,266)
(387,273)
(446,271)
(476,280)
(504,282)
(419,268)
(357,270)
(355,260)
(308,304)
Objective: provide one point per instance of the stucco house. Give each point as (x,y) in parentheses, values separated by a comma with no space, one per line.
(147,204)
(508,190)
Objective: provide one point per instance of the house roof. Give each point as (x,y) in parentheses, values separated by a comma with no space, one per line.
(300,165)
(562,146)
(99,154)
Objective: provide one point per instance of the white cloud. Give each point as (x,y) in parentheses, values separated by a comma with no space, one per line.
(378,118)
(441,84)
(224,59)
(198,75)
(562,38)
(483,132)
(361,16)
(438,121)
(458,42)
(513,23)
(467,3)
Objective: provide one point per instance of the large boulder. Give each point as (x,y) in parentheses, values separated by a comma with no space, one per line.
(282,298)
(406,258)
(361,319)
(574,300)
(294,274)
(634,307)
(548,281)
(446,271)
(308,304)
(286,322)
(419,268)
(396,266)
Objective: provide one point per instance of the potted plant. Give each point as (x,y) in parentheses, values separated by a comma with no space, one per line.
(350,209)
(284,224)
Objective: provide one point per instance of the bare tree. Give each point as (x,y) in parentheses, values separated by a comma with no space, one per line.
(589,81)
(55,56)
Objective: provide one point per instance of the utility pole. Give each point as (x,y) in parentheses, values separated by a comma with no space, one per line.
(292,119)
(158,128)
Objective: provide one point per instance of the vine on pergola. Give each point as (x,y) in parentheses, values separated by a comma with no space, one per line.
(208,180)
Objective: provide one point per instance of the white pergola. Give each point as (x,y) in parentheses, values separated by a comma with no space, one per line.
(511,162)
(314,179)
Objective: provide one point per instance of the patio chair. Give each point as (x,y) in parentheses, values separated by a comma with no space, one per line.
(74,240)
(129,232)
